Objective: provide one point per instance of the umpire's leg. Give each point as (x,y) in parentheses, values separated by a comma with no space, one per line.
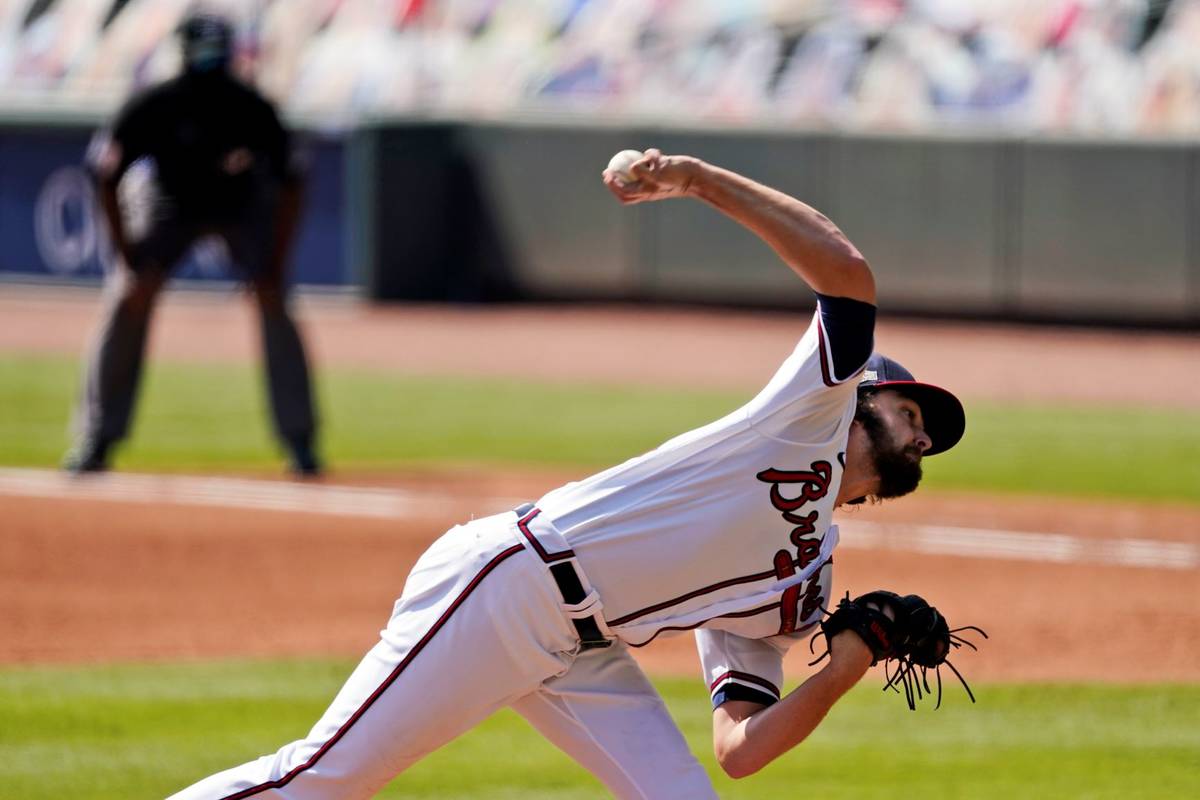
(289,383)
(288,380)
(113,364)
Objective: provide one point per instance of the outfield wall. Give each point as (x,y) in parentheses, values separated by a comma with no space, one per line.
(1043,228)
(476,211)
(51,229)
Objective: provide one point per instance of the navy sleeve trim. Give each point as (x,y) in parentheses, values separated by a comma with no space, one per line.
(738,691)
(848,335)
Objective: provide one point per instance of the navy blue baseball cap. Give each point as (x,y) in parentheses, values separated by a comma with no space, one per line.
(944,417)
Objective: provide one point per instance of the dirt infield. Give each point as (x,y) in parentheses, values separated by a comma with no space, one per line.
(86,579)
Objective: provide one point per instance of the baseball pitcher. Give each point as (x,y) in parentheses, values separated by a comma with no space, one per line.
(726,531)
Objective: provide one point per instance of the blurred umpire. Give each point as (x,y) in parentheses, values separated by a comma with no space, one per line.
(220,163)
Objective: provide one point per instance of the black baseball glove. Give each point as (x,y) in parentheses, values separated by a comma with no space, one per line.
(905,630)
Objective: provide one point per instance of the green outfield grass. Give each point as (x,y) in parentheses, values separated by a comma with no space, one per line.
(145,731)
(213,418)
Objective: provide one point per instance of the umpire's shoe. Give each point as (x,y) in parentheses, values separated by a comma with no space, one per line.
(90,454)
(302,461)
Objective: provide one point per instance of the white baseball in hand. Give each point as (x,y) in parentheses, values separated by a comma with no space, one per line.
(622,161)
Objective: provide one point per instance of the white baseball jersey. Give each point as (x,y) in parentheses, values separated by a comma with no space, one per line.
(725,528)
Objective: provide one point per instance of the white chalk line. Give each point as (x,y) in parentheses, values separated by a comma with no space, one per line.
(239,493)
(379,503)
(1021,545)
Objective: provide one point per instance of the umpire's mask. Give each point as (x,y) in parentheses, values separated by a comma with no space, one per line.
(207,43)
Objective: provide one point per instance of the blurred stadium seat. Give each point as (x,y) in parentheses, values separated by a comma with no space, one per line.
(1097,67)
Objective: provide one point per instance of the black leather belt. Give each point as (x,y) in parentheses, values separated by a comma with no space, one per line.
(571,589)
(590,636)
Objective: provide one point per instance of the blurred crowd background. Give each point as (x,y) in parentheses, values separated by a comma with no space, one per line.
(1109,68)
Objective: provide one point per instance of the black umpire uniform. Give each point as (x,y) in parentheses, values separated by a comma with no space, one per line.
(221,163)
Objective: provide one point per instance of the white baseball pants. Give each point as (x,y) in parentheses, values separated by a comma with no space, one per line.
(480,625)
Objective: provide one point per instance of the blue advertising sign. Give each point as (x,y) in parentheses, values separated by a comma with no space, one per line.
(50,223)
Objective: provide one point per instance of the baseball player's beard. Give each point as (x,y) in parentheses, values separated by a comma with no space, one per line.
(898,466)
